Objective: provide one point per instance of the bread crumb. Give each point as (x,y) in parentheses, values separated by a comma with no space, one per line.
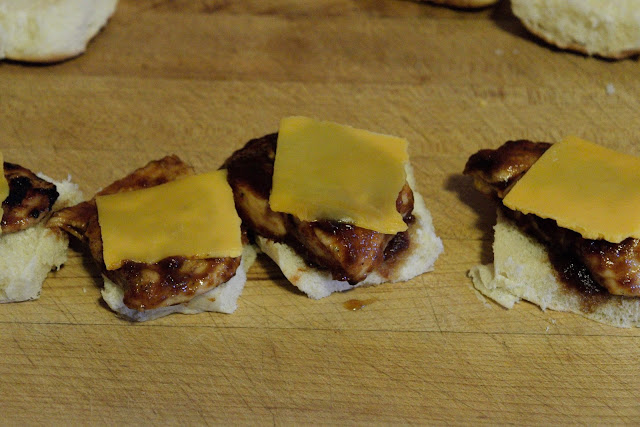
(547,330)
(480,297)
(499,52)
(84,290)
(553,321)
(610,89)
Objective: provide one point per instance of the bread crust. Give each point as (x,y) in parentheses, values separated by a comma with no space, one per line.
(573,47)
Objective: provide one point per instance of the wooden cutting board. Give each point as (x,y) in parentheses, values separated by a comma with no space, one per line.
(199,79)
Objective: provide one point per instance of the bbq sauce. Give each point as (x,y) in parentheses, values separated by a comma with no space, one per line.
(574,276)
(568,269)
(398,244)
(253,165)
(356,304)
(30,198)
(147,285)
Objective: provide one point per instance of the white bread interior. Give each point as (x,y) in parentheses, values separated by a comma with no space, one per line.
(607,28)
(27,256)
(50,30)
(424,249)
(222,298)
(521,270)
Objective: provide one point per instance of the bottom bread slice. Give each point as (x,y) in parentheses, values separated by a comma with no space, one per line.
(424,248)
(522,270)
(27,256)
(222,298)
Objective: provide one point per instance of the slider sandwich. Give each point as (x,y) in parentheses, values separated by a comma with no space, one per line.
(166,241)
(568,229)
(335,207)
(29,248)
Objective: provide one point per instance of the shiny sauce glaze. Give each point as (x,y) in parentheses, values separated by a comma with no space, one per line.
(171,280)
(398,244)
(495,171)
(357,304)
(253,165)
(29,201)
(355,249)
(575,276)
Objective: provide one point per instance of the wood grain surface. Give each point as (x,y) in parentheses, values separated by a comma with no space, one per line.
(199,79)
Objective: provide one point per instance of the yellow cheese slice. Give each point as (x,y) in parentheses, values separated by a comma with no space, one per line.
(193,216)
(328,171)
(584,187)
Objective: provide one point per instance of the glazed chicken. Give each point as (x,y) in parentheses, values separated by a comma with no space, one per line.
(170,281)
(614,266)
(350,253)
(30,199)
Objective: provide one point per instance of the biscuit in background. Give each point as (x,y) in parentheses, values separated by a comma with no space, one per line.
(50,30)
(605,28)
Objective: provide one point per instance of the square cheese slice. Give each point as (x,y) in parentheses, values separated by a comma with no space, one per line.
(328,171)
(584,187)
(193,217)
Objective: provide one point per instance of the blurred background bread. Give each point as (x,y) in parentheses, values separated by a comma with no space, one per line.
(50,30)
(606,28)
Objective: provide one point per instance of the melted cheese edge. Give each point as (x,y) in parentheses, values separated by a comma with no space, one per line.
(193,216)
(587,188)
(327,171)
